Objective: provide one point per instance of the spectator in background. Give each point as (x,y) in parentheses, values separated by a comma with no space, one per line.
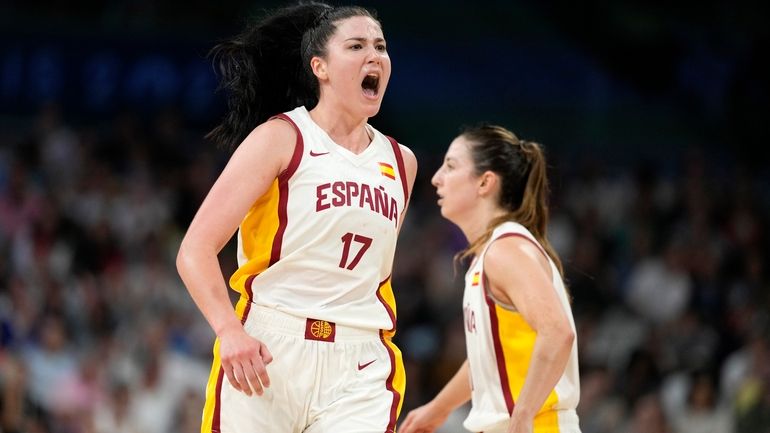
(13,379)
(659,288)
(703,412)
(114,415)
(647,416)
(51,362)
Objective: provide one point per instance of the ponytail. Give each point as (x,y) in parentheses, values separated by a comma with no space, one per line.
(524,190)
(265,70)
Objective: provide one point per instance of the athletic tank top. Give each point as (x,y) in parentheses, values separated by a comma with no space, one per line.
(499,346)
(320,242)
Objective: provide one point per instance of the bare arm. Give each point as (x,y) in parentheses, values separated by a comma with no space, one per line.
(251,170)
(410,166)
(429,417)
(528,286)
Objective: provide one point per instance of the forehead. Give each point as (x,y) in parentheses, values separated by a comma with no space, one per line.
(459,149)
(358,27)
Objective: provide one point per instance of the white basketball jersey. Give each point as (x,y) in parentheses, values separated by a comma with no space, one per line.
(320,242)
(500,344)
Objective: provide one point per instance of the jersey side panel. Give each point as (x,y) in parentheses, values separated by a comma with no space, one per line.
(257,234)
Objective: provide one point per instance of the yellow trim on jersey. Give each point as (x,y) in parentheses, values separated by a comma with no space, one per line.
(399,374)
(211,392)
(257,233)
(517,339)
(399,377)
(213,396)
(385,292)
(546,422)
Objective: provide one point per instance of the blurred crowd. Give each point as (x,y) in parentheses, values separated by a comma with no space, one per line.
(666,262)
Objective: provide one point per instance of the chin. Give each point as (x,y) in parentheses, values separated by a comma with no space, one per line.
(371,109)
(448,215)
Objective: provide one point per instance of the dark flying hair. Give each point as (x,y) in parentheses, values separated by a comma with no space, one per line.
(265,70)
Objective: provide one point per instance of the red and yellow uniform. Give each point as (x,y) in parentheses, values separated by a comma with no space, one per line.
(315,254)
(500,344)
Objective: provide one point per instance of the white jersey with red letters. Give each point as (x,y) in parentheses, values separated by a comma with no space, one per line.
(315,254)
(500,344)
(320,243)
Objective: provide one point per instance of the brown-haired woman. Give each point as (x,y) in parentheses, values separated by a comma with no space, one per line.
(522,371)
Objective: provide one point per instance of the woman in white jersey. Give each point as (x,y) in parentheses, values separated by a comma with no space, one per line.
(316,196)
(521,373)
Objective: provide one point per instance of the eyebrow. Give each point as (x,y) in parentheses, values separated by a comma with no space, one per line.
(362,39)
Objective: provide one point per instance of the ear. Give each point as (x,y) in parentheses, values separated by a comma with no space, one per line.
(318,66)
(488,183)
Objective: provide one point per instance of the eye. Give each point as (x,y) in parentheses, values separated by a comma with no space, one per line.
(356,47)
(380,48)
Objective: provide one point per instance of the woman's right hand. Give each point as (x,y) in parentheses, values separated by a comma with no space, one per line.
(425,419)
(244,359)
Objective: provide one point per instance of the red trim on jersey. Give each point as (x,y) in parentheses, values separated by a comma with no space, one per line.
(389,385)
(504,383)
(392,356)
(283,190)
(401,170)
(299,148)
(217,401)
(249,294)
(499,356)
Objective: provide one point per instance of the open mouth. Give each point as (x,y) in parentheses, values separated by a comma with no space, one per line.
(371,85)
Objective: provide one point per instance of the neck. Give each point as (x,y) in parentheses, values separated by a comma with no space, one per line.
(343,127)
(478,222)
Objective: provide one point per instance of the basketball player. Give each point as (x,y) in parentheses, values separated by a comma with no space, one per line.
(521,373)
(317,196)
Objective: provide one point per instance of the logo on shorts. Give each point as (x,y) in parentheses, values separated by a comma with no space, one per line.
(363,366)
(320,330)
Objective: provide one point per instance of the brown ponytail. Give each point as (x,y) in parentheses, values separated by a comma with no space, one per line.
(521,166)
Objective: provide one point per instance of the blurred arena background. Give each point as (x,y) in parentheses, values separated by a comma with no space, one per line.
(655,118)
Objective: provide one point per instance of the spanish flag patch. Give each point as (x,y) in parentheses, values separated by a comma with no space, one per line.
(475,279)
(387,170)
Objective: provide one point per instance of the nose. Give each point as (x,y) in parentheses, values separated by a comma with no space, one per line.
(373,56)
(436,178)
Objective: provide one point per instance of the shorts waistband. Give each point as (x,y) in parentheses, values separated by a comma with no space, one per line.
(309,328)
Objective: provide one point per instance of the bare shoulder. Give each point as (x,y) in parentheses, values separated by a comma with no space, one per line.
(518,272)
(408,155)
(504,253)
(271,143)
(276,133)
(410,162)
